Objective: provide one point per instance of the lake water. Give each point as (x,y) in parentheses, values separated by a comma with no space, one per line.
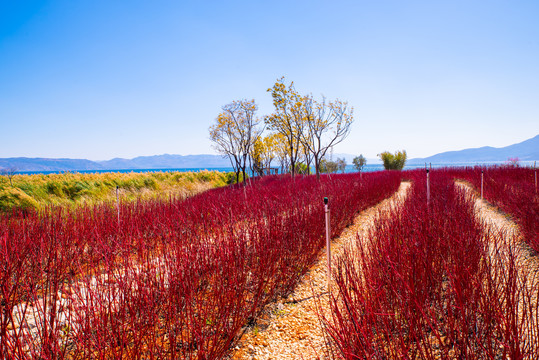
(349,168)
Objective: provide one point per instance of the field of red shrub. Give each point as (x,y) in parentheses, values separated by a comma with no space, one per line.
(431,282)
(514,190)
(165,280)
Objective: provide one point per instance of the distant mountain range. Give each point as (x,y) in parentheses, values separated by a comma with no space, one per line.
(165,161)
(525,151)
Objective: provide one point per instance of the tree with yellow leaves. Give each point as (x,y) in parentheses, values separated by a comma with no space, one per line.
(264,151)
(235,132)
(288,119)
(309,127)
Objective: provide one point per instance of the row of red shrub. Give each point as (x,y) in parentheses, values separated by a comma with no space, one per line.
(512,189)
(427,283)
(173,279)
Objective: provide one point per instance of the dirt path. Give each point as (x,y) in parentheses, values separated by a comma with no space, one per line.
(290,329)
(500,223)
(506,243)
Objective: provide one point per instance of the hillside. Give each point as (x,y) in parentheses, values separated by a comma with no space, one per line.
(527,150)
(165,161)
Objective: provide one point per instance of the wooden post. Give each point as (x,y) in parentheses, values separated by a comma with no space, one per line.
(118,203)
(535,172)
(481,184)
(428,187)
(328,240)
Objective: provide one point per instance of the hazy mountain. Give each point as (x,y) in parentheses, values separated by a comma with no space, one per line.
(167,161)
(525,151)
(142,162)
(44,164)
(350,157)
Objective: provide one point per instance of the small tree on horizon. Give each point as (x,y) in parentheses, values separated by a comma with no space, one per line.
(341,164)
(328,166)
(359,162)
(393,161)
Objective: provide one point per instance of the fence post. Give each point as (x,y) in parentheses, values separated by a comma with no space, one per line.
(481,184)
(535,172)
(428,187)
(328,242)
(118,203)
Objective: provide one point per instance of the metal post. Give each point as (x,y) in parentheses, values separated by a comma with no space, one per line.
(328,243)
(481,184)
(118,203)
(428,187)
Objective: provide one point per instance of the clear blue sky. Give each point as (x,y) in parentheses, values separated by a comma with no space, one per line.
(103,79)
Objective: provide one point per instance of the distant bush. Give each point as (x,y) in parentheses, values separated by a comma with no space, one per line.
(302,168)
(393,161)
(328,167)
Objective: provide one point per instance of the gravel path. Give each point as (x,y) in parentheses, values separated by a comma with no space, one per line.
(500,223)
(505,242)
(290,328)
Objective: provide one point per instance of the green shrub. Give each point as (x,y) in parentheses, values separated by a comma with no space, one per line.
(230,178)
(393,161)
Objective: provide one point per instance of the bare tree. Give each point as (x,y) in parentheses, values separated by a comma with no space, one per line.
(328,123)
(9,173)
(235,132)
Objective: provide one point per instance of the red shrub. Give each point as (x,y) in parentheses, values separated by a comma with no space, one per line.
(427,283)
(171,279)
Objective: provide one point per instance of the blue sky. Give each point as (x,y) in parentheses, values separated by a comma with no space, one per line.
(104,79)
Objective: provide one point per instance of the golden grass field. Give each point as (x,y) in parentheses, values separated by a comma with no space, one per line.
(37,191)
